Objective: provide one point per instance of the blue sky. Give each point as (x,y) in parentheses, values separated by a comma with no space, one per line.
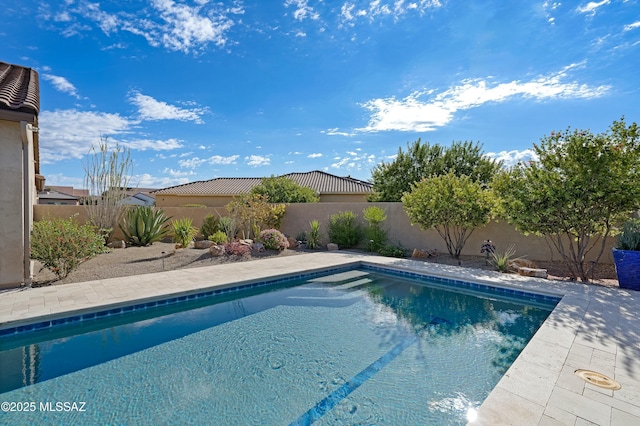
(200,89)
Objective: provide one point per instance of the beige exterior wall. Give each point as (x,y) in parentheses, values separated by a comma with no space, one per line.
(14,211)
(400,229)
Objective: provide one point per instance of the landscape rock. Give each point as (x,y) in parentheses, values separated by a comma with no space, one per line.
(257,247)
(246,242)
(117,244)
(293,243)
(522,263)
(422,254)
(532,272)
(332,246)
(216,250)
(204,244)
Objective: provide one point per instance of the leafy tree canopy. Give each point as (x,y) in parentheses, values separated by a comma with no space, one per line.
(281,189)
(423,160)
(579,189)
(453,205)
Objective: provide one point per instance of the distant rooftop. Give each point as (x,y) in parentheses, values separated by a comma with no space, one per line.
(322,182)
(19,89)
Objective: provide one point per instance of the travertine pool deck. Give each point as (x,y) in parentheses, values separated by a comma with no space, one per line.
(593,327)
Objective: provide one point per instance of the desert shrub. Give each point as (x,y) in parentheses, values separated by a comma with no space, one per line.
(219,237)
(313,237)
(253,212)
(229,226)
(183,231)
(209,226)
(142,226)
(237,249)
(501,259)
(344,229)
(273,239)
(392,251)
(62,244)
(376,234)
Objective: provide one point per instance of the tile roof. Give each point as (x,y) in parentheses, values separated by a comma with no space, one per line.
(322,182)
(19,89)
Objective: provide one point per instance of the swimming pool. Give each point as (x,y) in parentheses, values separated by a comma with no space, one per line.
(357,346)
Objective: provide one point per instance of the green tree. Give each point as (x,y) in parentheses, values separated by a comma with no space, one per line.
(281,189)
(453,205)
(253,212)
(579,189)
(423,160)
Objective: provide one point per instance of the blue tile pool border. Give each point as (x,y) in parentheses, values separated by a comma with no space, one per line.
(524,295)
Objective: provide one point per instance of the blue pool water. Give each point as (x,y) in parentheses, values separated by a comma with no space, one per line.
(351,347)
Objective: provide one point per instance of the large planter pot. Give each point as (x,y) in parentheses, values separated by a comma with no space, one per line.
(628,268)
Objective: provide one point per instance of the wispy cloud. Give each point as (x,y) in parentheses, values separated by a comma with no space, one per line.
(424,111)
(314,155)
(351,11)
(591,7)
(194,162)
(152,109)
(147,180)
(70,133)
(153,145)
(61,84)
(257,160)
(632,26)
(302,10)
(173,25)
(336,132)
(355,160)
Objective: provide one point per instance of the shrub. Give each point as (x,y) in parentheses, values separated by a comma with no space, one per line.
(344,229)
(62,244)
(376,234)
(219,237)
(229,226)
(501,260)
(313,238)
(392,251)
(629,239)
(273,239)
(209,226)
(184,231)
(237,249)
(142,226)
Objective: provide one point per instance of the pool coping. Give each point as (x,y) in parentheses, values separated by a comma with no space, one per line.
(592,327)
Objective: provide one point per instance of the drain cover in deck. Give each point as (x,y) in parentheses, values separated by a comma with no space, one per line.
(598,379)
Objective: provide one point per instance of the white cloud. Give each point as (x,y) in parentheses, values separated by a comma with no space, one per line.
(511,158)
(314,155)
(173,25)
(146,180)
(61,84)
(68,134)
(217,159)
(152,109)
(257,160)
(354,161)
(192,163)
(371,10)
(632,26)
(591,7)
(335,132)
(424,111)
(178,173)
(303,10)
(154,145)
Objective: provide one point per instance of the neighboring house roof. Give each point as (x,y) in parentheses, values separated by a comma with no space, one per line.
(19,89)
(323,183)
(55,195)
(69,190)
(140,198)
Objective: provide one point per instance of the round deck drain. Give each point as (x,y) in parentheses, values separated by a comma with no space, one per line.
(598,379)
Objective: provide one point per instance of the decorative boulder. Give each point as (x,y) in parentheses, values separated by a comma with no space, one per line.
(204,244)
(216,250)
(293,243)
(246,242)
(332,246)
(532,272)
(422,254)
(257,247)
(522,263)
(117,244)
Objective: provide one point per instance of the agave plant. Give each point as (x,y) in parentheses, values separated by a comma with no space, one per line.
(184,231)
(142,226)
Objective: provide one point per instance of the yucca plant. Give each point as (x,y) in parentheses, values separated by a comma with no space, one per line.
(313,237)
(142,226)
(501,259)
(183,231)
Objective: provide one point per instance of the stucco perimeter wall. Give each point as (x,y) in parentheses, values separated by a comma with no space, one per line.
(400,229)
(11,205)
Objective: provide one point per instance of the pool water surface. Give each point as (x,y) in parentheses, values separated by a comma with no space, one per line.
(357,347)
